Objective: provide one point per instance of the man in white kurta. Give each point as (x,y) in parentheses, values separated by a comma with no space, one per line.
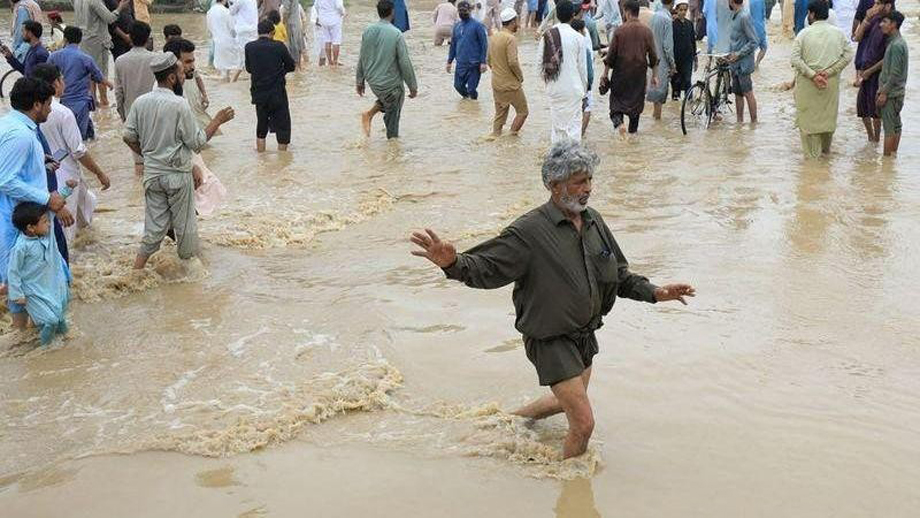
(62,133)
(245,26)
(330,14)
(220,25)
(569,88)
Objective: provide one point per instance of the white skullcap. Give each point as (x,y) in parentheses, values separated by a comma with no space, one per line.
(508,14)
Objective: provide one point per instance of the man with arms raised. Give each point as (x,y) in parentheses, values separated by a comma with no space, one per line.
(567,271)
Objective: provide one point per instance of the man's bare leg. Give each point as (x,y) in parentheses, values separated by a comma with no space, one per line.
(870,132)
(891,144)
(585,120)
(103,95)
(518,123)
(656,112)
(139,169)
(752,106)
(328,52)
(739,104)
(282,147)
(367,117)
(548,405)
(335,55)
(140,261)
(20,321)
(877,127)
(236,76)
(260,145)
(573,397)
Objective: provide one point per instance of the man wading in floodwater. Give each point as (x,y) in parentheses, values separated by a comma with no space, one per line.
(567,271)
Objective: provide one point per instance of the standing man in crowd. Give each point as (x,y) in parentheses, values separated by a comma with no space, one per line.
(609,10)
(133,77)
(36,55)
(22,172)
(79,70)
(245,15)
(162,129)
(507,76)
(567,271)
(268,61)
(892,81)
(469,45)
(120,30)
(23,11)
(62,133)
(629,57)
(820,52)
(193,88)
(445,16)
(743,43)
(868,62)
(662,26)
(564,68)
(94,18)
(331,14)
(384,64)
(227,57)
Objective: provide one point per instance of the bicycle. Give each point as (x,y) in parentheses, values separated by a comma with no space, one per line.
(705,102)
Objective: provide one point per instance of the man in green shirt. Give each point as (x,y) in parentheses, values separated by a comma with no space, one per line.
(891,81)
(385,65)
(162,129)
(567,271)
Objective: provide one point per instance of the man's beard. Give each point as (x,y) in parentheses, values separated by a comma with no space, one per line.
(190,75)
(177,88)
(464,16)
(572,204)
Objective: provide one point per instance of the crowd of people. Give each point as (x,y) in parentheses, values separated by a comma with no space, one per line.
(649,57)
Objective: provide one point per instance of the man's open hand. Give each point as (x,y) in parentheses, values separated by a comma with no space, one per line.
(674,292)
(439,252)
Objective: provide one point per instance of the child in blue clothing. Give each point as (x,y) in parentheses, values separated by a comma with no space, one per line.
(38,276)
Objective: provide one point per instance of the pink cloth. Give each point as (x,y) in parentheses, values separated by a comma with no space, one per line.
(445,15)
(211,193)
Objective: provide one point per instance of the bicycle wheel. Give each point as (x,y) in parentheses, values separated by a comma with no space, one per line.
(3,80)
(695,110)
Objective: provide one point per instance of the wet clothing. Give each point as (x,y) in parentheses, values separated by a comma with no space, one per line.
(684,56)
(444,17)
(630,55)
(38,273)
(820,46)
(162,123)
(872,46)
(384,65)
(78,69)
(23,11)
(564,281)
(22,176)
(892,81)
(133,78)
(124,22)
(663,31)
(293,24)
(36,55)
(862,9)
(757,11)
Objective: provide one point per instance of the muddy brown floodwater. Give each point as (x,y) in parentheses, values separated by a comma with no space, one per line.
(308,365)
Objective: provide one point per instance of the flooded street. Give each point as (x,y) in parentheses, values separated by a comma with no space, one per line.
(309,366)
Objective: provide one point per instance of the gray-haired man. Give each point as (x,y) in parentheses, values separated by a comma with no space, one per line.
(568,270)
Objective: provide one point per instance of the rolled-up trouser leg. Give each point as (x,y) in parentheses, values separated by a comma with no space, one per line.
(390,103)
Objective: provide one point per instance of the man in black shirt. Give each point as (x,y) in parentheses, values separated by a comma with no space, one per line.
(267,61)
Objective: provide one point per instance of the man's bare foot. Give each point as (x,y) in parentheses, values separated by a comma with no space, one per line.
(139,169)
(366,123)
(622,130)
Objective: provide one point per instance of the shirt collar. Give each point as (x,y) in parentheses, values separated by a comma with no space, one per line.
(555,214)
(24,119)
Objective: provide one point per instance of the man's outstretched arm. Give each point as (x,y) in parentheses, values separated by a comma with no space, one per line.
(492,264)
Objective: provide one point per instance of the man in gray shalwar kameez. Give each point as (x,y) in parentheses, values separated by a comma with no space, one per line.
(94,17)
(663,31)
(161,128)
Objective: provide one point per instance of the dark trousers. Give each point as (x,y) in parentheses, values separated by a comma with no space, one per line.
(466,79)
(541,8)
(274,115)
(617,119)
(683,79)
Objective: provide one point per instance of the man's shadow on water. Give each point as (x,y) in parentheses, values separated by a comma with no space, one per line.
(576,500)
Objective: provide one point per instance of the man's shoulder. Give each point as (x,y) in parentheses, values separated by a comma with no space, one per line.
(530,220)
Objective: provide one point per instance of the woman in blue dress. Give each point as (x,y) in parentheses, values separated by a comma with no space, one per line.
(400,15)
